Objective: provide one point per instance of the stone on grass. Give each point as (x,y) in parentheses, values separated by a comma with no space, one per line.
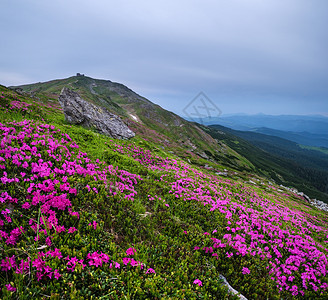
(81,112)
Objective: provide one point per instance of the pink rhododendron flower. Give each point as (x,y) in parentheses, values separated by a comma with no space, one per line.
(72,262)
(55,253)
(246,271)
(126,260)
(48,241)
(39,264)
(56,274)
(10,288)
(199,282)
(131,251)
(150,270)
(71,230)
(97,259)
(94,224)
(26,205)
(8,263)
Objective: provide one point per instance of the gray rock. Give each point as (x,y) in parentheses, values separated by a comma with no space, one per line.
(222,173)
(231,290)
(79,111)
(319,204)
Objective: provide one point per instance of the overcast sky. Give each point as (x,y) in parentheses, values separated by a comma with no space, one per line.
(247,56)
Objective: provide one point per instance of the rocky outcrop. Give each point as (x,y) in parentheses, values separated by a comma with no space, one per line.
(319,204)
(231,290)
(79,111)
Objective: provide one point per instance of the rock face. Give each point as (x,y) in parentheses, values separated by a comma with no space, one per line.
(231,290)
(79,111)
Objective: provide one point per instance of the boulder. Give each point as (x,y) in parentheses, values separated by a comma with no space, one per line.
(79,111)
(231,290)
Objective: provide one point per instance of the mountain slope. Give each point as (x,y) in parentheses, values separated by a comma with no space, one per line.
(147,119)
(84,216)
(280,159)
(189,141)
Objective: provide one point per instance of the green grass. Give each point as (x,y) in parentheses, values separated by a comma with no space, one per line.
(320,149)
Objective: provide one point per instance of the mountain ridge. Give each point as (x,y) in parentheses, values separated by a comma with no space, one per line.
(293,123)
(303,138)
(139,113)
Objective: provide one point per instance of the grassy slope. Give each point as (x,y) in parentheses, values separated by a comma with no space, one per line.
(168,129)
(158,205)
(280,159)
(320,149)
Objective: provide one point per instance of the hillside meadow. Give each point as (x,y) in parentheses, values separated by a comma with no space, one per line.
(84,216)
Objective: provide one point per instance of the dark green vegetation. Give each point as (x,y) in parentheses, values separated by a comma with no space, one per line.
(284,161)
(321,149)
(184,222)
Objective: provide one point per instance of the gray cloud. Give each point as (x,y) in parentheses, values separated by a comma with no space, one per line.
(248,56)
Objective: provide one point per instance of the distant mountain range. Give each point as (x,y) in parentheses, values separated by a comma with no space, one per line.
(305,130)
(303,138)
(296,123)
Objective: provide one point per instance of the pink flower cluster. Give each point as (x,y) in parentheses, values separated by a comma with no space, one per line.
(46,175)
(13,105)
(23,266)
(45,163)
(258,225)
(198,282)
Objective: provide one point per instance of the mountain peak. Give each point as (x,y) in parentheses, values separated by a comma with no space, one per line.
(140,114)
